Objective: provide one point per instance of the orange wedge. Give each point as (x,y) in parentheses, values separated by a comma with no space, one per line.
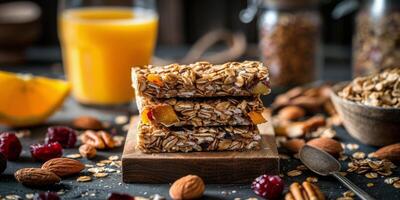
(27,100)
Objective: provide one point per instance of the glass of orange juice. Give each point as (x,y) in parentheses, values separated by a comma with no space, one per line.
(101,40)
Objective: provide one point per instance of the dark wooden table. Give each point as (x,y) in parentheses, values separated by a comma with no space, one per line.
(100,188)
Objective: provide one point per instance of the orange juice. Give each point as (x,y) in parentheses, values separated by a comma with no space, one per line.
(100,45)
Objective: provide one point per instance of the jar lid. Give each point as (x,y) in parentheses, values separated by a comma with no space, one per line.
(290,3)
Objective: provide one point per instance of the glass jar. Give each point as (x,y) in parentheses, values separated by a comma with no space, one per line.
(376,42)
(290,40)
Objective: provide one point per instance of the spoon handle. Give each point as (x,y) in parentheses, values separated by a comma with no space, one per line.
(358,191)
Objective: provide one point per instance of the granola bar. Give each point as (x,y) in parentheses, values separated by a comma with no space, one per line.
(201,112)
(202,79)
(153,139)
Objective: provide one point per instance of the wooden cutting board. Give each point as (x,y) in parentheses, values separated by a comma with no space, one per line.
(213,167)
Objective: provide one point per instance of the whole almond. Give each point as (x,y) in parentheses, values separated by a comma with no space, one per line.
(87,150)
(87,122)
(294,145)
(36,177)
(291,113)
(328,145)
(187,187)
(390,152)
(63,166)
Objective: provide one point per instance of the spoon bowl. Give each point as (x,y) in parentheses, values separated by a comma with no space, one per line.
(319,161)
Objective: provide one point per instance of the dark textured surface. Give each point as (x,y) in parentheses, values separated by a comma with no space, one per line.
(99,188)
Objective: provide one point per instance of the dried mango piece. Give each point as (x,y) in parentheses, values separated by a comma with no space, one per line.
(260,88)
(164,114)
(156,79)
(256,117)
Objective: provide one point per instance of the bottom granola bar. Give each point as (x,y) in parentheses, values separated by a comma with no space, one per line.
(153,139)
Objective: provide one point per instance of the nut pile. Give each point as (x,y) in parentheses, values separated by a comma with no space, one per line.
(381,90)
(289,45)
(306,190)
(376,43)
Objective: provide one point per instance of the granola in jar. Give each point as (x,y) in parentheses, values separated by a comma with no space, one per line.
(290,42)
(376,42)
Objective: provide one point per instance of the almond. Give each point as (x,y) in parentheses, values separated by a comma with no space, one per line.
(390,152)
(36,177)
(291,113)
(87,151)
(63,166)
(87,122)
(294,145)
(187,187)
(328,145)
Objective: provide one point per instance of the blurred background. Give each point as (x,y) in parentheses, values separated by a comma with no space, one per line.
(181,23)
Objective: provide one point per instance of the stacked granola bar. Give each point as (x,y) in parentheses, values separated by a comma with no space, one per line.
(200,107)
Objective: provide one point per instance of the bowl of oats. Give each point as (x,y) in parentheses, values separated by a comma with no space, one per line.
(369,107)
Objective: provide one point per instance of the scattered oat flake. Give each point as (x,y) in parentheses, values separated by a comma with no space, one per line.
(13,197)
(294,173)
(391,180)
(29,196)
(110,170)
(126,127)
(96,169)
(105,161)
(84,179)
(345,198)
(23,133)
(312,179)
(89,165)
(100,164)
(343,173)
(396,184)
(371,175)
(352,146)
(100,175)
(371,155)
(370,184)
(301,167)
(349,194)
(74,156)
(359,155)
(121,119)
(113,158)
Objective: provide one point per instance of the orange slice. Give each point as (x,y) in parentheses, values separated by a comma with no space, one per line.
(27,100)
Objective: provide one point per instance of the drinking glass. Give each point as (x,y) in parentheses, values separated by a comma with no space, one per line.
(101,40)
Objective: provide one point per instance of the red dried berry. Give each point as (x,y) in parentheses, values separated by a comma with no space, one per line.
(3,163)
(150,115)
(119,196)
(45,152)
(46,196)
(10,145)
(62,134)
(269,187)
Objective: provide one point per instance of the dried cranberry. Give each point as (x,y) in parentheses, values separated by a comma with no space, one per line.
(119,196)
(46,196)
(62,134)
(44,152)
(150,115)
(3,163)
(269,187)
(10,145)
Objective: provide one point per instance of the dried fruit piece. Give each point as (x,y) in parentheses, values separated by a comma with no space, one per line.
(328,145)
(87,150)
(164,114)
(10,145)
(46,196)
(256,117)
(3,163)
(291,113)
(87,122)
(62,134)
(63,167)
(187,187)
(36,177)
(156,79)
(260,88)
(269,187)
(146,116)
(390,152)
(44,152)
(119,196)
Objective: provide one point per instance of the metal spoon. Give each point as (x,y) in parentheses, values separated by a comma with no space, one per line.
(324,164)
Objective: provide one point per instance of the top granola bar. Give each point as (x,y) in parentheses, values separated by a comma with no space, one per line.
(202,79)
